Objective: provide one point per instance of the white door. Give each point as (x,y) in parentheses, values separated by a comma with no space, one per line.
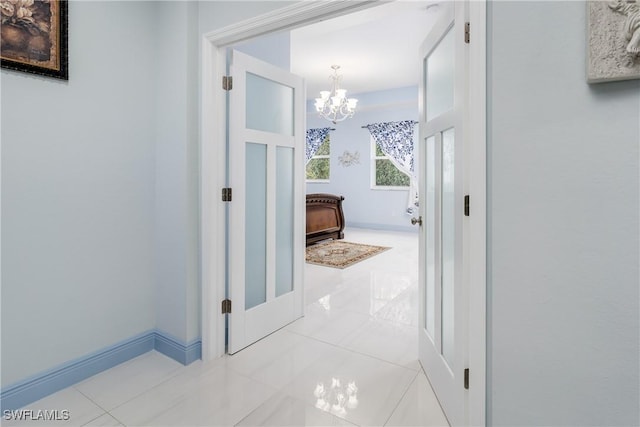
(443,301)
(266,222)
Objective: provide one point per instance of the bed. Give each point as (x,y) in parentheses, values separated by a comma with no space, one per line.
(325,219)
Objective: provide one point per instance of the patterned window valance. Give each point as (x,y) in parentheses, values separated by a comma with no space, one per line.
(395,139)
(315,138)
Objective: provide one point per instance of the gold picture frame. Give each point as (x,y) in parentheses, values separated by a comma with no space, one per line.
(34,37)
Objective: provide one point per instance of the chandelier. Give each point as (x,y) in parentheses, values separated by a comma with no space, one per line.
(334,105)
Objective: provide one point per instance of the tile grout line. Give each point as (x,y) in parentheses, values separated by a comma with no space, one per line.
(338,346)
(402,398)
(92,401)
(170,376)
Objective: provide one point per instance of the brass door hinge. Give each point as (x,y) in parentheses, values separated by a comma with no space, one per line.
(227,82)
(226,195)
(467,32)
(226,306)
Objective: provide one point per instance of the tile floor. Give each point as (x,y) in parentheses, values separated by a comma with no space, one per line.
(356,344)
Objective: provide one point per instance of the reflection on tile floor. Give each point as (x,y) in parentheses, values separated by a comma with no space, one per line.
(352,360)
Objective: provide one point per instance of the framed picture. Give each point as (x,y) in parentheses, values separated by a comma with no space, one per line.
(34,37)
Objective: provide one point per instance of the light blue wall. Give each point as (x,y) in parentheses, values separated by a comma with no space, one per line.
(563,248)
(364,207)
(176,171)
(100,191)
(78,195)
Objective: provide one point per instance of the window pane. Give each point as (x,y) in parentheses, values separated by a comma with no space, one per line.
(389,175)
(448,243)
(269,105)
(439,77)
(255,272)
(318,169)
(379,152)
(324,149)
(284,220)
(430,236)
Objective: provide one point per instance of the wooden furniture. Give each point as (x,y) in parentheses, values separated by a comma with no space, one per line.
(325,219)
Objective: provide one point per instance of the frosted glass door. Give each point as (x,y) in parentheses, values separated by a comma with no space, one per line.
(430,237)
(448,243)
(440,196)
(440,66)
(255,269)
(442,327)
(269,105)
(284,220)
(266,218)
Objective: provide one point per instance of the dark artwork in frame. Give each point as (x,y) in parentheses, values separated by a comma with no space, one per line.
(34,37)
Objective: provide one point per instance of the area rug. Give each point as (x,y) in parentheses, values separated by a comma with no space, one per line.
(341,254)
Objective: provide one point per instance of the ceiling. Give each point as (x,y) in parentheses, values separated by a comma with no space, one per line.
(377,48)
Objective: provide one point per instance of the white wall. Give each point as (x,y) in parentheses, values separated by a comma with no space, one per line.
(563,331)
(78,194)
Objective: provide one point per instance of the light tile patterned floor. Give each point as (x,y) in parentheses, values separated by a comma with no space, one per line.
(357,344)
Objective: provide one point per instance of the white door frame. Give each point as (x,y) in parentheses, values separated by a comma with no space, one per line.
(213,165)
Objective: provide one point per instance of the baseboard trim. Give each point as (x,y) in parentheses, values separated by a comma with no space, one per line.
(183,353)
(67,374)
(382,227)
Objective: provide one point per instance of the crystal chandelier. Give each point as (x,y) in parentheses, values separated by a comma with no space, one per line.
(334,105)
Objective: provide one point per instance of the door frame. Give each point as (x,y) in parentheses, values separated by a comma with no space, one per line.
(213,256)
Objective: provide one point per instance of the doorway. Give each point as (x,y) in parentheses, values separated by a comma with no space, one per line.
(213,166)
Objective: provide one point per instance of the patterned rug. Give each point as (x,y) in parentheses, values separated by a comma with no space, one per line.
(340,254)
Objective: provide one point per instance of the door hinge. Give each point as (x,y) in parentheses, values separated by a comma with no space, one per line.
(226,194)
(226,306)
(466,379)
(467,32)
(227,82)
(466,205)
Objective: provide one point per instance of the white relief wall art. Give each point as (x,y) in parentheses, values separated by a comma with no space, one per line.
(347,159)
(613,40)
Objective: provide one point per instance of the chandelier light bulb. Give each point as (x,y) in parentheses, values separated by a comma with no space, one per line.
(334,105)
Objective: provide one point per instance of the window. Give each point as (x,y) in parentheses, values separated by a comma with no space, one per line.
(318,168)
(384,174)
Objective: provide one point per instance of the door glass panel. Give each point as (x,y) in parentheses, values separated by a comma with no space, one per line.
(448,243)
(440,77)
(269,105)
(284,220)
(255,269)
(430,213)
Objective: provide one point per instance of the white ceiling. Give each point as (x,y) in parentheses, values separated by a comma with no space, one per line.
(377,48)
